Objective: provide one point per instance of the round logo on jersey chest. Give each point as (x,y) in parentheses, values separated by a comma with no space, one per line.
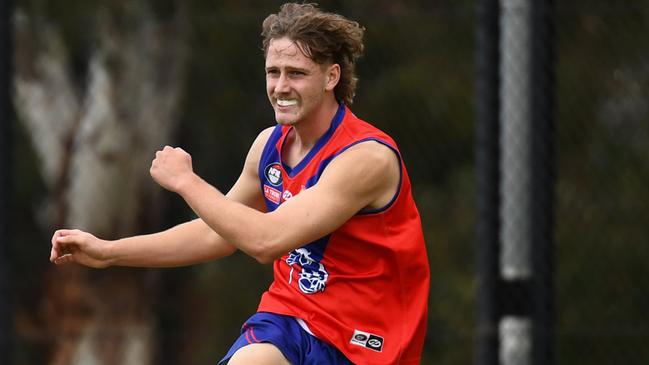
(273,173)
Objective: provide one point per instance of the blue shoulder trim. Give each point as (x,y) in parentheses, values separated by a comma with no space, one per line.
(269,148)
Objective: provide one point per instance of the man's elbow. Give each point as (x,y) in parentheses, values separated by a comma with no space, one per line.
(264,253)
(264,259)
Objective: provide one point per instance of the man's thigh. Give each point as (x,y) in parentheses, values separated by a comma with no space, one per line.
(258,354)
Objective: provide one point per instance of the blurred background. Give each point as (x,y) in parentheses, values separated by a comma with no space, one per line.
(98,86)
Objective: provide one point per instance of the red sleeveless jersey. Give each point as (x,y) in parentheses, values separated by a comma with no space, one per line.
(364,287)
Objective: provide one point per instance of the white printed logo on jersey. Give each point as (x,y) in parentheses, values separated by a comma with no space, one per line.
(313,275)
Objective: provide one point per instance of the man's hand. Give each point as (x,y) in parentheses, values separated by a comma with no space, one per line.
(73,245)
(171,168)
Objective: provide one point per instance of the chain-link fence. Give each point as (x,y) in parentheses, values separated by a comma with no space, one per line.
(417,82)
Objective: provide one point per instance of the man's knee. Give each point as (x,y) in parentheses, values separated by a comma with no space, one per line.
(258,354)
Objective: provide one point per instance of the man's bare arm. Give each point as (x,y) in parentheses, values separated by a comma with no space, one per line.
(185,244)
(364,176)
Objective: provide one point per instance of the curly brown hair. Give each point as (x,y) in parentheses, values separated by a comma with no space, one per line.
(321,36)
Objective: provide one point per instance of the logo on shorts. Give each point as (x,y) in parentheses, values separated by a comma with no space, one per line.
(273,173)
(367,340)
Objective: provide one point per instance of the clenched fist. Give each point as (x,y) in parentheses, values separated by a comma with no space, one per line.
(171,167)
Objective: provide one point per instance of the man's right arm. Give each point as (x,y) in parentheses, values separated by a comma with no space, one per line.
(188,243)
(185,244)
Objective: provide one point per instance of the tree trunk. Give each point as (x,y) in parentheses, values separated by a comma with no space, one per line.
(95,137)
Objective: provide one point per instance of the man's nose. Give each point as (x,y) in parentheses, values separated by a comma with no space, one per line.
(282,84)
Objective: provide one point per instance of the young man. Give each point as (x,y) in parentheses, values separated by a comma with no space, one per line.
(323,196)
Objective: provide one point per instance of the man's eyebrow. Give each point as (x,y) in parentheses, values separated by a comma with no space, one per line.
(292,68)
(289,68)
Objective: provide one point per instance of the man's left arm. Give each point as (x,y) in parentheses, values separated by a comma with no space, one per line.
(364,176)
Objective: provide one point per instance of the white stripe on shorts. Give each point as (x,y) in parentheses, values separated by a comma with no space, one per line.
(304,326)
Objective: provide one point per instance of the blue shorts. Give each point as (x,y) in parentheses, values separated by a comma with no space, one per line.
(298,346)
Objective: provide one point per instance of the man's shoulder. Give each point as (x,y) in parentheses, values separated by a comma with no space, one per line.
(263,137)
(265,134)
(255,152)
(360,129)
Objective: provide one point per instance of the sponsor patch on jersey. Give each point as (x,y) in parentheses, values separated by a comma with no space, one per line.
(272,194)
(367,340)
(287,195)
(273,174)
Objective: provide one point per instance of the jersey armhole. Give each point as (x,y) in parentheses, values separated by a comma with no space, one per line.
(399,185)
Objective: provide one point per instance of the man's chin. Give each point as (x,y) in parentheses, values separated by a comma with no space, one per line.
(285,120)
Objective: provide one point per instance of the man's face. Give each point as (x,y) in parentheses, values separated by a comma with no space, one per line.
(295,84)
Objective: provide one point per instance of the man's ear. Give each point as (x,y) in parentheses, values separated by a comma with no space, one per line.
(333,76)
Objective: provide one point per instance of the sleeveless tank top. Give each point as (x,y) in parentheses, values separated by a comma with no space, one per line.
(364,287)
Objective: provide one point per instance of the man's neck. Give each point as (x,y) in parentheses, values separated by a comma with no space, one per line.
(306,133)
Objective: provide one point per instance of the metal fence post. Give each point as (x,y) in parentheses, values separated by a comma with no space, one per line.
(487,168)
(516,272)
(514,169)
(543,180)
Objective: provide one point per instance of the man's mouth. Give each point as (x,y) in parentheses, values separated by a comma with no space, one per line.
(286,102)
